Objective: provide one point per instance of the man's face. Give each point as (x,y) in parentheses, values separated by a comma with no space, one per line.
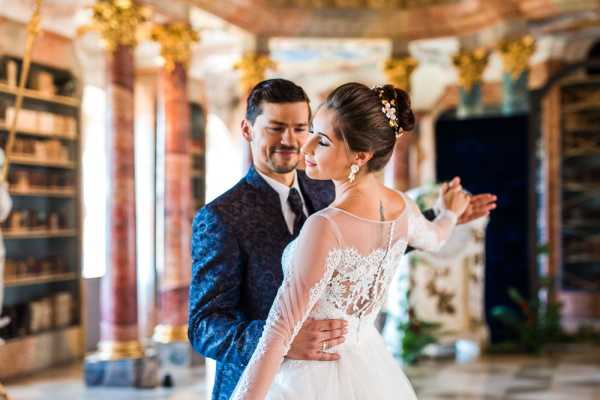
(277,135)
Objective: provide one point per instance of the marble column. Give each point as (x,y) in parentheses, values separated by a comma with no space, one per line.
(253,67)
(470,65)
(121,359)
(118,322)
(516,54)
(175,269)
(398,70)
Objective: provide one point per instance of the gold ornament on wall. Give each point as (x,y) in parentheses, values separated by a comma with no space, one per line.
(471,65)
(516,54)
(176,40)
(253,68)
(118,22)
(398,71)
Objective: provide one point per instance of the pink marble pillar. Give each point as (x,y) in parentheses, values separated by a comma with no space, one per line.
(119,323)
(397,172)
(174,277)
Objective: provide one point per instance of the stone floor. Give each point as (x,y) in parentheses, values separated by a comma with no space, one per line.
(570,374)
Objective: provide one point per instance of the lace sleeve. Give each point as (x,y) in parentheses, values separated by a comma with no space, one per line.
(313,261)
(426,235)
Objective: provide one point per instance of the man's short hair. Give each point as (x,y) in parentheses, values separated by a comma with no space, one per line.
(273,91)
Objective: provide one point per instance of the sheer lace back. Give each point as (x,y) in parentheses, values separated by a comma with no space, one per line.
(340,267)
(365,260)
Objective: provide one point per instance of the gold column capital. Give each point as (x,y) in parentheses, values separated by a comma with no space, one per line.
(470,65)
(118,20)
(516,53)
(398,71)
(176,40)
(253,67)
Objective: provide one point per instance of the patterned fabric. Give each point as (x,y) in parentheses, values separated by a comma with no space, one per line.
(237,244)
(295,202)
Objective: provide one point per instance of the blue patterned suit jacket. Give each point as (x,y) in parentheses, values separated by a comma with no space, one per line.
(237,243)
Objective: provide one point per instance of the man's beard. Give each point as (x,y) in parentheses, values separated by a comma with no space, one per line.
(280,167)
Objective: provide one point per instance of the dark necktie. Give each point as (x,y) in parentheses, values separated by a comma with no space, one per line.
(295,202)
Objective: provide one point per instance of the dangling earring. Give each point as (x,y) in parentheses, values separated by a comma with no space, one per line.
(353,171)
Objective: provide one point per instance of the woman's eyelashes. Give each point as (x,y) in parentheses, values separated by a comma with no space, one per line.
(322,140)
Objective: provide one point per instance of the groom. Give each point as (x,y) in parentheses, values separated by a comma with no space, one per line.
(238,240)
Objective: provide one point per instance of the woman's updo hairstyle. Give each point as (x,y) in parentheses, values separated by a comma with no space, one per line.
(371,119)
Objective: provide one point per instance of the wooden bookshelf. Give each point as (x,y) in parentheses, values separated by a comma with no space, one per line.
(42,190)
(28,160)
(40,279)
(579,185)
(32,352)
(39,234)
(34,94)
(39,134)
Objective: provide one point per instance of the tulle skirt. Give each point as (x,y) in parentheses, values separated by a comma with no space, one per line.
(365,371)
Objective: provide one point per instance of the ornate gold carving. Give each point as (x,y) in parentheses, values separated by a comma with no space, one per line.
(118,21)
(516,54)
(113,350)
(470,65)
(170,333)
(176,39)
(398,71)
(253,68)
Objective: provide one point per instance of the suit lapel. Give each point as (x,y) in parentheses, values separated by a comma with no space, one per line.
(270,205)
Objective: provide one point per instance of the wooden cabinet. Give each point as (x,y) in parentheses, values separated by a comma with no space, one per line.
(569,192)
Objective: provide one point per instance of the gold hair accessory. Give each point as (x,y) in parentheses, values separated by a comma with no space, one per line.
(389,109)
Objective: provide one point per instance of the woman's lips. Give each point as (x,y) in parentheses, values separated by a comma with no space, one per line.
(309,163)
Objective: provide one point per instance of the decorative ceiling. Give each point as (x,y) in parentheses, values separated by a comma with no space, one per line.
(358,4)
(404,19)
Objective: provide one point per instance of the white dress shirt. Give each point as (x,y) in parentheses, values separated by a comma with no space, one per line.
(283,191)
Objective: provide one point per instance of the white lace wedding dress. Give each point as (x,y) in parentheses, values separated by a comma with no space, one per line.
(339,268)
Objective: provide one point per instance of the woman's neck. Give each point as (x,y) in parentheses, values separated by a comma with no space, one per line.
(363,186)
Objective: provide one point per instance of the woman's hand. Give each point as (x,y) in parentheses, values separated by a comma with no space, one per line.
(455,199)
(480,205)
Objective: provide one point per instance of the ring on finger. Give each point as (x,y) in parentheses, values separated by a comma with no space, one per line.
(323,346)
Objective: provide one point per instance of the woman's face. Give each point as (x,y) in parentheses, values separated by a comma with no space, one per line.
(325,155)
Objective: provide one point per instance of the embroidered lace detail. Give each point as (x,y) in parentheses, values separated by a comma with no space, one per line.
(330,275)
(275,314)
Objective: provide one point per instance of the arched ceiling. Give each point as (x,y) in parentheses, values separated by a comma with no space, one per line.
(406,19)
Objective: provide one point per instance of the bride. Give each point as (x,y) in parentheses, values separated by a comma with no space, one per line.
(344,258)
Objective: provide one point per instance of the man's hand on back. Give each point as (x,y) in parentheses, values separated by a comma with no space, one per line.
(316,336)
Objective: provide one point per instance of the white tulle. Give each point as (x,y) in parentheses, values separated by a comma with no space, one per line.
(340,267)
